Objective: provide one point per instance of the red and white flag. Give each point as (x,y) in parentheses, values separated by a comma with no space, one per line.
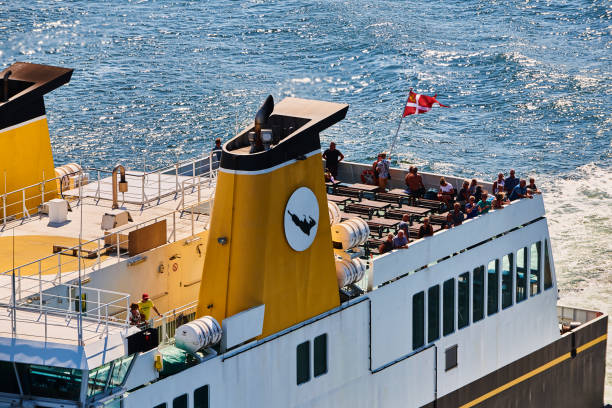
(418,103)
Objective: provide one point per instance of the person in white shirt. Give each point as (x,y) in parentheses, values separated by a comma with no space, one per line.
(382,168)
(498,185)
(446,192)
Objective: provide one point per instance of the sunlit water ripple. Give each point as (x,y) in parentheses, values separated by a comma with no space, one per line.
(530,85)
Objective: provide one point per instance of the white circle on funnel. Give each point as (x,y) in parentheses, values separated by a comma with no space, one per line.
(301,219)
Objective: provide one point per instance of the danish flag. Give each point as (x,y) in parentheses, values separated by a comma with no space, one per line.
(418,103)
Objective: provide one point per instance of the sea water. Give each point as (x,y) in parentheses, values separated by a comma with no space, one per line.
(529,84)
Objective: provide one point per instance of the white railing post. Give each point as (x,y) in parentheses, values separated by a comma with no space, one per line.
(176,167)
(143,189)
(43,189)
(40,293)
(193,168)
(98,251)
(98,291)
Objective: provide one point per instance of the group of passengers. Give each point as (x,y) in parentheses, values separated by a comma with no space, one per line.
(469,202)
(140,313)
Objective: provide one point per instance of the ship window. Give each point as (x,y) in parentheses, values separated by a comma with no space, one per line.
(448,307)
(162,405)
(547,270)
(303,362)
(52,382)
(97,379)
(478,294)
(492,287)
(180,401)
(521,274)
(507,263)
(418,320)
(120,369)
(200,397)
(534,266)
(451,357)
(463,300)
(433,313)
(320,355)
(9,380)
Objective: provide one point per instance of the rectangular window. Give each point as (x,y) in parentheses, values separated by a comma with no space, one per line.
(200,397)
(320,355)
(433,313)
(418,320)
(451,357)
(448,307)
(547,270)
(303,362)
(463,300)
(534,266)
(492,287)
(478,283)
(180,401)
(521,274)
(507,264)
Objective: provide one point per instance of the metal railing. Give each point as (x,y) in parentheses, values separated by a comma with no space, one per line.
(172,319)
(22,204)
(55,312)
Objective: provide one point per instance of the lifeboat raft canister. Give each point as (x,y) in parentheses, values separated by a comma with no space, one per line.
(350,233)
(349,271)
(334,213)
(198,334)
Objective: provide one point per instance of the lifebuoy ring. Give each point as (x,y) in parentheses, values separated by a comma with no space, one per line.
(368,177)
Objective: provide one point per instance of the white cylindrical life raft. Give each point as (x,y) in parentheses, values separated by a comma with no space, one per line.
(349,271)
(350,233)
(198,334)
(334,213)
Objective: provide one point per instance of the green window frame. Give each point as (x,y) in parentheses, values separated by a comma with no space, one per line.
(433,313)
(463,300)
(303,362)
(492,287)
(448,307)
(478,293)
(418,320)
(507,280)
(521,274)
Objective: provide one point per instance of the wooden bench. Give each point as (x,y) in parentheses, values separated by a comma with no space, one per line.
(349,192)
(381,224)
(432,204)
(438,218)
(391,198)
(355,208)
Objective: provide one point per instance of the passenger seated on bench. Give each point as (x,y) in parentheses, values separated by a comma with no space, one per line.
(426,229)
(532,186)
(414,183)
(478,193)
(375,168)
(520,191)
(446,192)
(471,209)
(387,245)
(498,202)
(404,224)
(455,217)
(400,241)
(464,194)
(484,205)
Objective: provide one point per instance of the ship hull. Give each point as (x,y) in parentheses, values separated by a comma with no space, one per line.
(569,372)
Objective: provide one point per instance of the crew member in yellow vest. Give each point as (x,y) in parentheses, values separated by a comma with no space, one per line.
(145,306)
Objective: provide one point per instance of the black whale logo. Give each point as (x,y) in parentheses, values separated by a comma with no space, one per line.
(304,225)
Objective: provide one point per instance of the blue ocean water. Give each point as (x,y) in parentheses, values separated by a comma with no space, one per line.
(529,84)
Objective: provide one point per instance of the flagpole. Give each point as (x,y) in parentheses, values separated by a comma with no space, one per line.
(398,126)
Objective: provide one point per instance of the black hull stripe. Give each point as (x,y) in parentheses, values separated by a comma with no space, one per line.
(532,373)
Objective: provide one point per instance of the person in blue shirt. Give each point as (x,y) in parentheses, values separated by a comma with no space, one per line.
(400,241)
(471,209)
(510,182)
(520,191)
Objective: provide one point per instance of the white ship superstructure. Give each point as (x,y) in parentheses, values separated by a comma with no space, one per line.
(289,312)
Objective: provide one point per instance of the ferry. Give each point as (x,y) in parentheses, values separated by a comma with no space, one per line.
(269,287)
